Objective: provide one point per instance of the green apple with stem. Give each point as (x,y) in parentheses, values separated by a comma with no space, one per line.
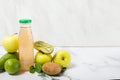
(42,58)
(62,57)
(10,43)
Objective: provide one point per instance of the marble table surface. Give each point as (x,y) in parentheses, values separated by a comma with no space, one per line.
(87,63)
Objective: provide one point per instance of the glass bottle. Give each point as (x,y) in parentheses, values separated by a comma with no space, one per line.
(26,47)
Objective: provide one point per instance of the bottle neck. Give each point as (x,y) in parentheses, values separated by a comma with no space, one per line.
(25,25)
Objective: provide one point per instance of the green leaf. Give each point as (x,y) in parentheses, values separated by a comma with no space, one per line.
(32,69)
(38,67)
(42,74)
(63,70)
(54,79)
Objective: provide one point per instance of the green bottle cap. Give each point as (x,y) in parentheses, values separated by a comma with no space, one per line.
(25,21)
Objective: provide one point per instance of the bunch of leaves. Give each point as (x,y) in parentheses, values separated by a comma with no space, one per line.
(36,68)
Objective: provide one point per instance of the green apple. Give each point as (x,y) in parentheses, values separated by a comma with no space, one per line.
(10,43)
(42,58)
(62,57)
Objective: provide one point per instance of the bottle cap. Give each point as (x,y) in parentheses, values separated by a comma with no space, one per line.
(25,21)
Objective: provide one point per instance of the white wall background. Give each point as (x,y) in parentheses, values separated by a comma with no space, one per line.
(65,22)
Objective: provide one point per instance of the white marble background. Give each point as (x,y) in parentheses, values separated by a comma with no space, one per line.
(65,22)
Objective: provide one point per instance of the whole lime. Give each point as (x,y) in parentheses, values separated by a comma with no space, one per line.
(12,66)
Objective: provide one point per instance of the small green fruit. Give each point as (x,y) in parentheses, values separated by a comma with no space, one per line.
(42,58)
(62,57)
(10,43)
(12,66)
